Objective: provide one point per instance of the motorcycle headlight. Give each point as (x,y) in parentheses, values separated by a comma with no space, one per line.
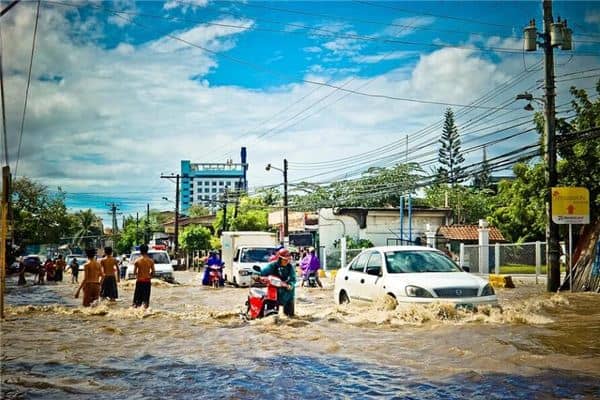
(488,290)
(415,291)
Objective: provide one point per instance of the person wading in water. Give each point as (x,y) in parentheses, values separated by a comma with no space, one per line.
(143,270)
(92,273)
(110,267)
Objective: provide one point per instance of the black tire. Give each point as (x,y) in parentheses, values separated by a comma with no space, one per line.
(235,282)
(344,299)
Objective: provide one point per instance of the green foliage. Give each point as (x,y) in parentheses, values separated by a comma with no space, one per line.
(519,210)
(370,190)
(579,157)
(468,205)
(450,155)
(252,215)
(39,217)
(86,224)
(195,238)
(129,236)
(269,196)
(352,243)
(198,210)
(215,243)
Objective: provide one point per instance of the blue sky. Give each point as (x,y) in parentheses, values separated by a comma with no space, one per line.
(117,98)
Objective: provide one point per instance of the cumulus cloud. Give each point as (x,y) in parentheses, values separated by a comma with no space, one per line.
(592,17)
(114,119)
(184,5)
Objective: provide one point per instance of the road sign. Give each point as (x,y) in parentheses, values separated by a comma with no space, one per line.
(570,205)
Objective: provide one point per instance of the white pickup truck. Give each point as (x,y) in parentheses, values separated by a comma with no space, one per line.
(243,250)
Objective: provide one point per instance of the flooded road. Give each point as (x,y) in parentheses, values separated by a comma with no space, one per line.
(192,343)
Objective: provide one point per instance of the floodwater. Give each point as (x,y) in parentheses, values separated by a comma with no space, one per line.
(192,343)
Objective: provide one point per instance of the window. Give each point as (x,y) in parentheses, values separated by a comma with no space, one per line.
(359,263)
(214,190)
(418,261)
(220,183)
(214,196)
(206,190)
(374,264)
(214,183)
(191,192)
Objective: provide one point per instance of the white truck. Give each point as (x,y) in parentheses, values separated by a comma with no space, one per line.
(243,250)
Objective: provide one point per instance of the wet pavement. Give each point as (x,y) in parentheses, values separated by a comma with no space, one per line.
(192,343)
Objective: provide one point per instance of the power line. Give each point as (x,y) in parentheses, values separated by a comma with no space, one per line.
(37,16)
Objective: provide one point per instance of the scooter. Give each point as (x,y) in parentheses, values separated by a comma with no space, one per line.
(214,276)
(263,302)
(310,280)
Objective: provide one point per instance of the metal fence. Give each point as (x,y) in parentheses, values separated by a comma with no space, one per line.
(333,258)
(506,258)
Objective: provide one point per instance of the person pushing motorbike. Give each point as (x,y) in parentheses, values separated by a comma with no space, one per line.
(283,268)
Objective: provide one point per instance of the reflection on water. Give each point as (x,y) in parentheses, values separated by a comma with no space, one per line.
(277,377)
(192,344)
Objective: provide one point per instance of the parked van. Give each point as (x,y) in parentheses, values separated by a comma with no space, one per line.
(243,250)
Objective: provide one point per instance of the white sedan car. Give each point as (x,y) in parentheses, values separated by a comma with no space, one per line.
(162,265)
(409,274)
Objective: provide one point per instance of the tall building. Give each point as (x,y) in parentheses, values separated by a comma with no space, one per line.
(205,183)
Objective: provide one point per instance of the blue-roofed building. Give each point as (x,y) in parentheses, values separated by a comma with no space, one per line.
(205,183)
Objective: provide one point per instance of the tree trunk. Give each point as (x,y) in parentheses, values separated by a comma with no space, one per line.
(586,270)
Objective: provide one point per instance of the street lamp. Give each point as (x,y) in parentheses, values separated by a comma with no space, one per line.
(285,194)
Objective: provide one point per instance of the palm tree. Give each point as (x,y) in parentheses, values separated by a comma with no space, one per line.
(86,224)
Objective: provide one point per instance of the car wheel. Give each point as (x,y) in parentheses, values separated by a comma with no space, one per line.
(344,299)
(235,282)
(390,299)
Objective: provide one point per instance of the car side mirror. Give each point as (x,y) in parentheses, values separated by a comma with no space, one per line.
(466,269)
(374,271)
(256,268)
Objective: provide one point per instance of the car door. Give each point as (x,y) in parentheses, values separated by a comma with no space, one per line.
(354,276)
(373,279)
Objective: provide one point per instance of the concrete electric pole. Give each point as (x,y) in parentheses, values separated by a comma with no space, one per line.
(556,34)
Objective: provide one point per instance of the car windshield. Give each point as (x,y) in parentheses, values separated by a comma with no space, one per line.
(256,254)
(158,258)
(418,261)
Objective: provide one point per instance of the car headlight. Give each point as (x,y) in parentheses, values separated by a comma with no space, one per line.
(415,291)
(488,290)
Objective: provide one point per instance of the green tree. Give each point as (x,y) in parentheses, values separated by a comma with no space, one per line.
(86,224)
(252,215)
(450,155)
(519,209)
(129,236)
(468,205)
(39,216)
(198,210)
(195,238)
(579,153)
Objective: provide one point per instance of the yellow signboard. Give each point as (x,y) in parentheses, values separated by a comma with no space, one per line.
(570,205)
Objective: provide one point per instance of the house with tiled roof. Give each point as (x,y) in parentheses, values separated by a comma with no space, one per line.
(467,234)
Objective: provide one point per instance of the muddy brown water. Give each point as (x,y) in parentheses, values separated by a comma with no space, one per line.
(192,343)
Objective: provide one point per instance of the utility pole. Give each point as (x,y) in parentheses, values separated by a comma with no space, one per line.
(225,211)
(137,227)
(113,209)
(285,200)
(553,269)
(556,34)
(177,177)
(147,230)
(3,228)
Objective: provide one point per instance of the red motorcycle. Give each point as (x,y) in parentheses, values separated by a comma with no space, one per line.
(263,302)
(214,276)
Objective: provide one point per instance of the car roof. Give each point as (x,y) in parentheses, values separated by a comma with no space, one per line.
(402,248)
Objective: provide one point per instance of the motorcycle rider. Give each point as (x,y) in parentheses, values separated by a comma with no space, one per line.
(284,270)
(213,259)
(310,265)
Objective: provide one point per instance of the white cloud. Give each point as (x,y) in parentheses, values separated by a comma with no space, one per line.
(185,6)
(120,117)
(121,20)
(312,49)
(392,55)
(592,17)
(405,26)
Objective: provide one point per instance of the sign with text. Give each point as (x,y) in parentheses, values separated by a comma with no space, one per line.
(570,205)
